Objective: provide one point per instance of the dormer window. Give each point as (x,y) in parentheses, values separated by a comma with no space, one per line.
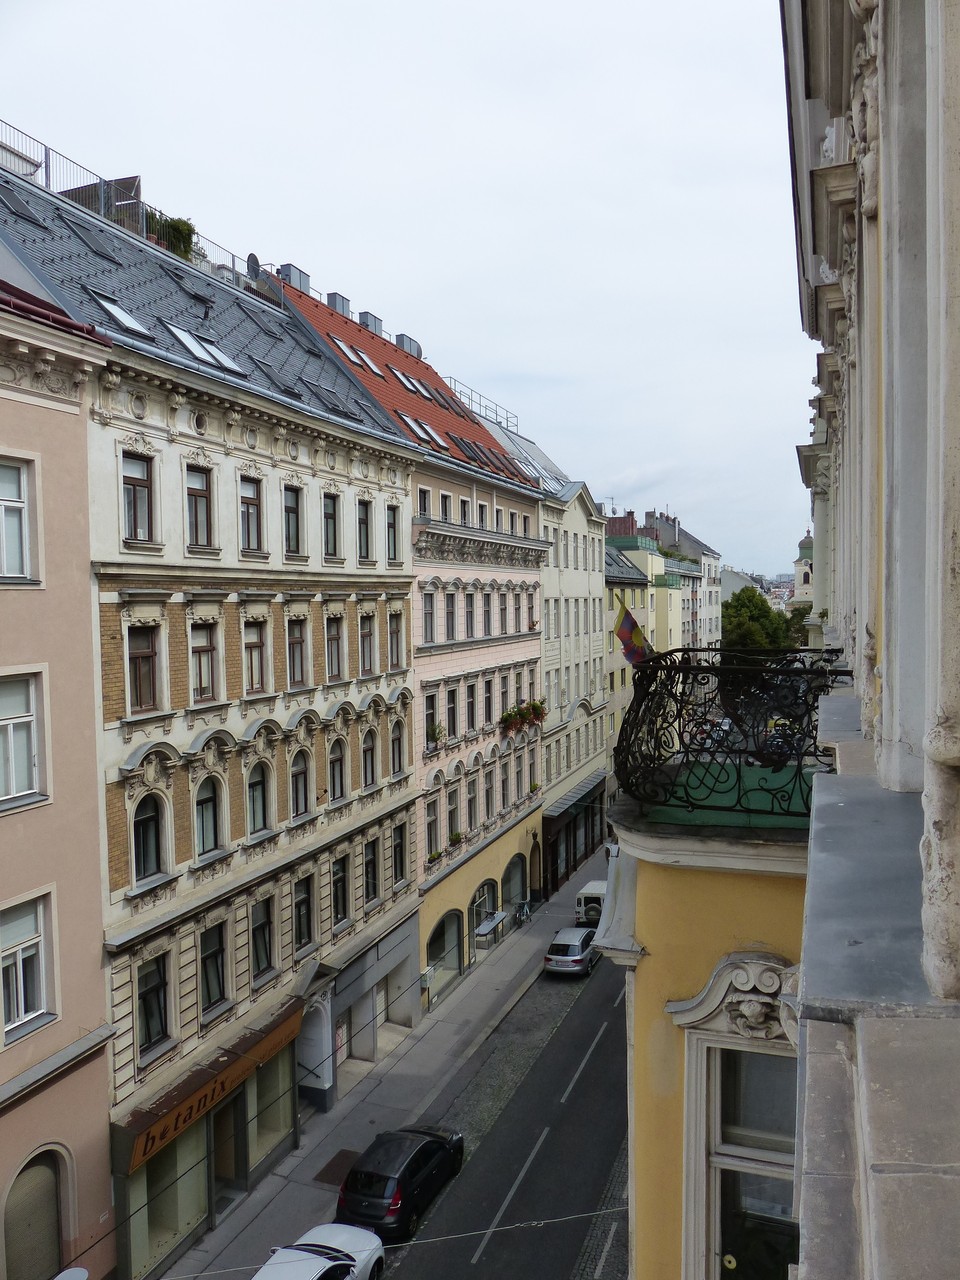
(122,317)
(205,349)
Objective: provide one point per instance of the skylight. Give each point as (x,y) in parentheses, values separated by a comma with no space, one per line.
(19,206)
(260,321)
(347,350)
(329,399)
(416,427)
(93,240)
(422,388)
(437,439)
(205,349)
(368,362)
(276,377)
(403,379)
(122,317)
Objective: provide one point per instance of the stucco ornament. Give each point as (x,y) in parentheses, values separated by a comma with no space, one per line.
(864,106)
(742,996)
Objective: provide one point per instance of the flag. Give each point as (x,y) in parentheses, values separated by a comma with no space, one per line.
(636,646)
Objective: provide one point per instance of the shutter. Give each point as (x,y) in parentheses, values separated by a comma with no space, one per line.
(381,1002)
(31,1222)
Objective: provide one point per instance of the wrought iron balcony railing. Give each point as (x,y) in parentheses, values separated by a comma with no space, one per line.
(728,733)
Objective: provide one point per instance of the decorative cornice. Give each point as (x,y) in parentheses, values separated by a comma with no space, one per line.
(742,995)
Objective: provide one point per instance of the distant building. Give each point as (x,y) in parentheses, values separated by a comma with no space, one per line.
(625,584)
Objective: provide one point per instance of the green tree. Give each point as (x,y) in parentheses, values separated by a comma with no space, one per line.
(748,622)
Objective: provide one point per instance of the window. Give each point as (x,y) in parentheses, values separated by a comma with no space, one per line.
(504,784)
(396,748)
(576,552)
(611,681)
(366,644)
(566,617)
(14,553)
(371,871)
(363,529)
(199,531)
(303,912)
(526,526)
(393,517)
(296,653)
(504,693)
(471,707)
(452,727)
(428,627)
(213,989)
(251,515)
(469,600)
(445,507)
(481,515)
(147,836)
(487,614)
(141,668)
(137,498)
(331,513)
(450,615)
(532,768)
(336,771)
(399,854)
(556,617)
(518,687)
(623,677)
(300,785)
(566,549)
(498,519)
(488,803)
(257,814)
(518,775)
(203,650)
(334,648)
(261,937)
(368,758)
(576,617)
(207,818)
(503,613)
(152,1002)
(488,702)
(453,814)
(556,548)
(532,684)
(338,891)
(531,614)
(464,511)
(433,829)
(23,961)
(423,501)
(430,716)
(513,523)
(472,803)
(253,665)
(395,641)
(292,542)
(516,611)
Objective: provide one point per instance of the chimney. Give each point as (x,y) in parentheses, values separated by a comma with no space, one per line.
(372,322)
(337,302)
(408,344)
(294,277)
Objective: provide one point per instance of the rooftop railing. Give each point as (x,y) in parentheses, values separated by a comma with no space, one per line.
(724,737)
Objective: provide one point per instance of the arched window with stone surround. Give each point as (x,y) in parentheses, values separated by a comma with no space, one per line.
(300,785)
(336,770)
(207,809)
(396,748)
(740,1081)
(258,807)
(148,838)
(368,759)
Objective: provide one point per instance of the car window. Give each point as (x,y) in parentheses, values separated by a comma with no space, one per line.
(563,949)
(339,1271)
(588,937)
(365,1183)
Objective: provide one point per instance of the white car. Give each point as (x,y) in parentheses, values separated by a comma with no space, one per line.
(327,1252)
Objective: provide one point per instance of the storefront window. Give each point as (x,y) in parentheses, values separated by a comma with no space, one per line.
(167,1198)
(269,1106)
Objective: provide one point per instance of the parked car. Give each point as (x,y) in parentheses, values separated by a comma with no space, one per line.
(571,951)
(396,1178)
(328,1252)
(590,902)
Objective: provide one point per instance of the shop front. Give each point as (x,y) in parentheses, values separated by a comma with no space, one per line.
(183,1160)
(573,829)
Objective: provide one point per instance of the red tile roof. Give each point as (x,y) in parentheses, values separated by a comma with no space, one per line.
(443,411)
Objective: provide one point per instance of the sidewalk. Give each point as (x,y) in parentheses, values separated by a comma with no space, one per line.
(397,1090)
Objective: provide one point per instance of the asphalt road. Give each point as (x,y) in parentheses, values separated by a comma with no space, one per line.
(546,1157)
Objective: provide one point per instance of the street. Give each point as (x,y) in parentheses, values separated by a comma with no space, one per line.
(530,1187)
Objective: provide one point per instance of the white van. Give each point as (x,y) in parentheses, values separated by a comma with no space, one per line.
(590,902)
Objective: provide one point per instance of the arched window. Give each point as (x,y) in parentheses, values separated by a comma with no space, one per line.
(208,817)
(257,799)
(31,1220)
(300,785)
(337,789)
(368,758)
(806,578)
(147,834)
(396,748)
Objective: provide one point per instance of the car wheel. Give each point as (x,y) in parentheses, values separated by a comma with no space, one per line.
(457,1163)
(377,1271)
(413,1221)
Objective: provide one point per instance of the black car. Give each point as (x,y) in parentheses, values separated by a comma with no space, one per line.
(397,1177)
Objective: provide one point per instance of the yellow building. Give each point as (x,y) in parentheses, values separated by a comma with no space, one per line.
(705,912)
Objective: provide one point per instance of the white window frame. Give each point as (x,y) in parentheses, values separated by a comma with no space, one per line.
(45,937)
(38,717)
(28,504)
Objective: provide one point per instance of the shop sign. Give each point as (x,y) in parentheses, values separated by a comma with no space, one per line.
(165,1130)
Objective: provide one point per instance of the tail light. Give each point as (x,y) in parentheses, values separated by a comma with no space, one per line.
(395,1203)
(341,1200)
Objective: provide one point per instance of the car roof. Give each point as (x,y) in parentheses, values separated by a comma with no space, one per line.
(389,1152)
(571,935)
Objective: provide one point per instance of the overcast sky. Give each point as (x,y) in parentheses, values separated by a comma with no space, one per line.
(583,212)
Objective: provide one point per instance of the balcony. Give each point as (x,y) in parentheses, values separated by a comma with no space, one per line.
(724,738)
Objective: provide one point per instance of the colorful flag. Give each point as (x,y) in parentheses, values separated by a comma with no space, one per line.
(636,646)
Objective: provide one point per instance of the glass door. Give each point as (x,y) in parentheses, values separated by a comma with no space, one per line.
(228,1155)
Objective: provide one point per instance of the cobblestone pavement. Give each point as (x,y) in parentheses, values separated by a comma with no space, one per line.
(606,1251)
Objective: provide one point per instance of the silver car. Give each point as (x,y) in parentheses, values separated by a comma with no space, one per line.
(571,951)
(328,1252)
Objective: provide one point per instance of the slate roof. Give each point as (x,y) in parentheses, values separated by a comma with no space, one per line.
(465,437)
(529,453)
(72,255)
(617,568)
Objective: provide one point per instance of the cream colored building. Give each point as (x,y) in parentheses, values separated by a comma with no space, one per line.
(627,585)
(56,1201)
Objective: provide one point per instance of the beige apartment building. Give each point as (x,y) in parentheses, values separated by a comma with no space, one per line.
(627,585)
(56,1202)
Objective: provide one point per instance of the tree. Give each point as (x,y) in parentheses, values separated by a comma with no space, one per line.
(748,622)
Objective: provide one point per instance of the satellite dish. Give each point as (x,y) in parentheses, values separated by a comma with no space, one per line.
(253,266)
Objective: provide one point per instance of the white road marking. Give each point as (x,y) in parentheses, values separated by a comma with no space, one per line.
(623,992)
(576,1075)
(603,1256)
(510,1194)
